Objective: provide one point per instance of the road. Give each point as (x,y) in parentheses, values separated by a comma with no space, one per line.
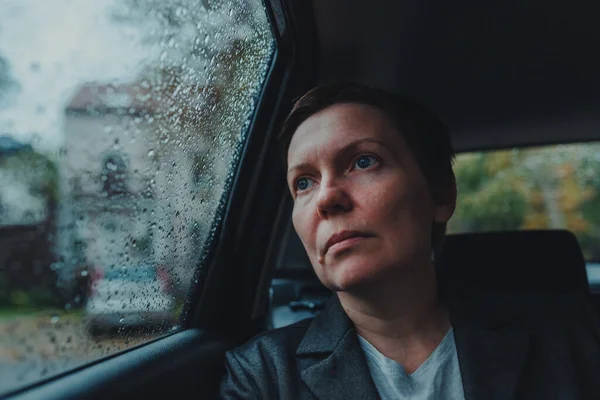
(38,346)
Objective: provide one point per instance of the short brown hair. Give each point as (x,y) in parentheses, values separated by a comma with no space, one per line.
(425,134)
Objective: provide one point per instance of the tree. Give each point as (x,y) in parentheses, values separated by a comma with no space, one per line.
(26,277)
(7,84)
(490,194)
(554,187)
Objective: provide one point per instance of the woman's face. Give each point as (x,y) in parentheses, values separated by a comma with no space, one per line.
(362,206)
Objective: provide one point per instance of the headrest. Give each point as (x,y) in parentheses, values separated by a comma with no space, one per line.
(517,261)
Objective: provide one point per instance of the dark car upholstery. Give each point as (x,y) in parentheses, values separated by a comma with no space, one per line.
(547,261)
(521,262)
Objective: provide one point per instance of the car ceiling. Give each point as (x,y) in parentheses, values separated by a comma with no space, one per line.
(499,73)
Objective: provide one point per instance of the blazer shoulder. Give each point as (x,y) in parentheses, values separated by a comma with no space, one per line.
(252,369)
(276,342)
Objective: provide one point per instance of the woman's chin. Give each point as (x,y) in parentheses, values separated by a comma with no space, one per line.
(351,274)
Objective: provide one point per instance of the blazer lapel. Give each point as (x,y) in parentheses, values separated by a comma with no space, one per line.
(491,340)
(491,350)
(490,361)
(330,359)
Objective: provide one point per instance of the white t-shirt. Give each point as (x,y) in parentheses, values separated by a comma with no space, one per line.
(437,378)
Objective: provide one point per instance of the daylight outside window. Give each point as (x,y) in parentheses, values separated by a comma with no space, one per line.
(550,187)
(121,123)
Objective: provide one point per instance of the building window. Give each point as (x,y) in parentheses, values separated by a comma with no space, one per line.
(114,175)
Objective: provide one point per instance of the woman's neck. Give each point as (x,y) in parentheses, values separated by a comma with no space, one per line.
(401,317)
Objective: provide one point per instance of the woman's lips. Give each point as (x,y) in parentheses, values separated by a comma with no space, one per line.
(345,243)
(344,239)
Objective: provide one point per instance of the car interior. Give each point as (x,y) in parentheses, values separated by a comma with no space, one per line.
(502,75)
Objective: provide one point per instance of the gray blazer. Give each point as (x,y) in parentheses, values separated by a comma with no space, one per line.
(509,347)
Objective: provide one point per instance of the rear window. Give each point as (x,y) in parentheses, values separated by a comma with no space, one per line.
(550,187)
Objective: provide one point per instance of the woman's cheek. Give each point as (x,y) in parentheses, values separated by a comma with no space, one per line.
(297,220)
(303,224)
(384,196)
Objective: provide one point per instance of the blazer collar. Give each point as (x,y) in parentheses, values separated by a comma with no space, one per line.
(330,359)
(491,340)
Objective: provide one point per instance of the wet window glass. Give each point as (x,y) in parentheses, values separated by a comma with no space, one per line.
(551,187)
(121,123)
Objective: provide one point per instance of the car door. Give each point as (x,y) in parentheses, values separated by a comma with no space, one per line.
(140,134)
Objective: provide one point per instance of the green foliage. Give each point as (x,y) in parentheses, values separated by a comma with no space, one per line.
(489,196)
(41,176)
(31,298)
(36,169)
(495,206)
(7,82)
(537,188)
(470,172)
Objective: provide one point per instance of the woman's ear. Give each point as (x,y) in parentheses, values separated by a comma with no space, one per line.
(445,208)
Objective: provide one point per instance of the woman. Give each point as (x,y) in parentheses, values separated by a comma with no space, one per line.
(371,177)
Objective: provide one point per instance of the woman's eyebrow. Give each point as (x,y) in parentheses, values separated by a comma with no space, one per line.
(349,146)
(358,142)
(298,166)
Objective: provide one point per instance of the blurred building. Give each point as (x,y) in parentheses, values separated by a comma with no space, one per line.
(132,190)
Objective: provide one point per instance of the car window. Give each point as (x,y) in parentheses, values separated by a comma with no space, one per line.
(121,123)
(550,187)
(129,273)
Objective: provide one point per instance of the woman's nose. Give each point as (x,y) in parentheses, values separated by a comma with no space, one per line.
(332,200)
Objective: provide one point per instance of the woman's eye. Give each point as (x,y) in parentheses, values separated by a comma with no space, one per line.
(303,183)
(365,161)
